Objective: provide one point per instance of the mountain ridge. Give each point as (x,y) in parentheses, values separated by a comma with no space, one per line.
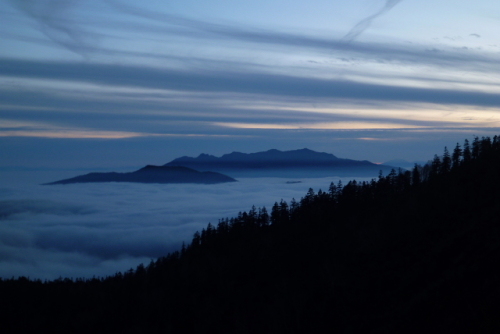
(298,163)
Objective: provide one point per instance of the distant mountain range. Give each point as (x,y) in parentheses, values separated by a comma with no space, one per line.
(275,163)
(209,169)
(152,174)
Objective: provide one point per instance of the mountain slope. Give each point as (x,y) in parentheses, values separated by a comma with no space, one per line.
(152,174)
(411,252)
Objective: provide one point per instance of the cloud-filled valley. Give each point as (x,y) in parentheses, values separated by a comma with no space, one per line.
(82,230)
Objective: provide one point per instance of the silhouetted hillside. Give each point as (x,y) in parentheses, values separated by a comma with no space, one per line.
(296,163)
(152,174)
(415,251)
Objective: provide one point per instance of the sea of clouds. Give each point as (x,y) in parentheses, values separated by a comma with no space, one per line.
(98,229)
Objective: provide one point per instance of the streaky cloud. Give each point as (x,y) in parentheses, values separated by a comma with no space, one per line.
(73,35)
(364,24)
(247,82)
(55,22)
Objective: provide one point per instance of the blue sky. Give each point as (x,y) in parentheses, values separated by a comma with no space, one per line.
(116,84)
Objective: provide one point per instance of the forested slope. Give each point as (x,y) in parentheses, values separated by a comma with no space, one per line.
(412,251)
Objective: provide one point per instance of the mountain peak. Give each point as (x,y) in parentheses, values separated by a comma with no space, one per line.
(203,156)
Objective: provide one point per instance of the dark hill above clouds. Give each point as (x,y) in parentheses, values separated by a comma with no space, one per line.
(295,163)
(152,174)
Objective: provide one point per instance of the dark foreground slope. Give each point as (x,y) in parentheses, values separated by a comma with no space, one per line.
(275,163)
(412,252)
(152,174)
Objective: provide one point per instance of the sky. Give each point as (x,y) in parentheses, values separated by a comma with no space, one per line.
(114,85)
